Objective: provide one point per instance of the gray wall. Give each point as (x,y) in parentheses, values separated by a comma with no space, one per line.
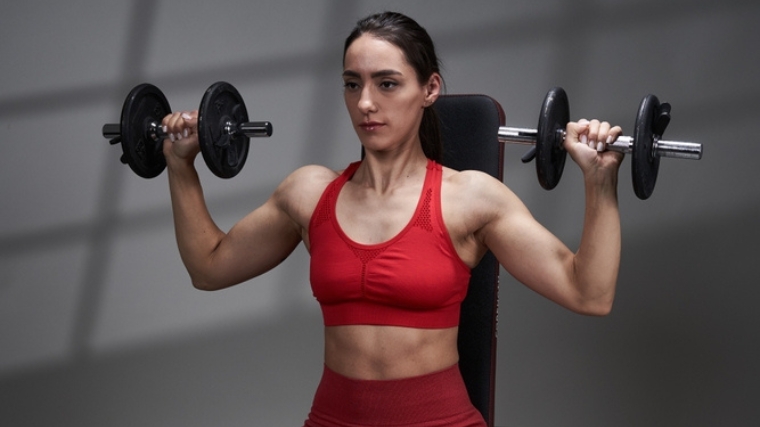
(99,324)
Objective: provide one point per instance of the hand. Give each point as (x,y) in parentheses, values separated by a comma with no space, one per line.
(586,142)
(182,143)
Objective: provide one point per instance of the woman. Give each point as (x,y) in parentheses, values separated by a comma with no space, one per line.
(393,237)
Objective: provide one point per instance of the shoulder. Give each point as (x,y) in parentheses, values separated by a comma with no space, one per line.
(473,184)
(299,193)
(309,176)
(477,198)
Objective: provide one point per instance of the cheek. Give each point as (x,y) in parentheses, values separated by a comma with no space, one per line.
(409,110)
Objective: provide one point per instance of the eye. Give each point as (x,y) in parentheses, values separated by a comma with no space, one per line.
(350,86)
(388,84)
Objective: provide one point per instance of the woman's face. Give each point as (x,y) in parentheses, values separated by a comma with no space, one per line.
(383,95)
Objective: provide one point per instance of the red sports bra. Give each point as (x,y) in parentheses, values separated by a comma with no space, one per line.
(415,279)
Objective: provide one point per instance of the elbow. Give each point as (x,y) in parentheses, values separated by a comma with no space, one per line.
(202,286)
(214,281)
(596,304)
(596,299)
(203,283)
(599,308)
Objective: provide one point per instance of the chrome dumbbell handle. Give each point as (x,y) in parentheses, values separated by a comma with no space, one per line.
(661,148)
(111,130)
(624,144)
(250,129)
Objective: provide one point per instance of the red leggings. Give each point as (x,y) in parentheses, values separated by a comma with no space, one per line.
(432,400)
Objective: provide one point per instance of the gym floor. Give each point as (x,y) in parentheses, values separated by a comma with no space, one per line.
(99,324)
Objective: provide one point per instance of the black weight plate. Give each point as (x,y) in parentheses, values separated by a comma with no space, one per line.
(144,105)
(550,154)
(644,164)
(224,153)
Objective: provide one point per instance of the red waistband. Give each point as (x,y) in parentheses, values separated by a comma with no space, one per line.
(436,399)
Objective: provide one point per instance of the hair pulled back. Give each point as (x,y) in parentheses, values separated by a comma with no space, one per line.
(419,51)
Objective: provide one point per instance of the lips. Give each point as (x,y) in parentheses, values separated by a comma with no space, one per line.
(370,126)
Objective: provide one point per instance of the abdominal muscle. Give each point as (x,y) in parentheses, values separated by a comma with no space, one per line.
(371,352)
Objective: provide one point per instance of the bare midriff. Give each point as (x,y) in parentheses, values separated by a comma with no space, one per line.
(371,352)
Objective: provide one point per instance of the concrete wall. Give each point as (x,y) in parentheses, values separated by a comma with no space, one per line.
(99,324)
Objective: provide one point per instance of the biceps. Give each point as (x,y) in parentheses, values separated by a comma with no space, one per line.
(533,256)
(255,245)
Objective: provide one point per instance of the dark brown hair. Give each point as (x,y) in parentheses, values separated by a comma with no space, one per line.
(406,34)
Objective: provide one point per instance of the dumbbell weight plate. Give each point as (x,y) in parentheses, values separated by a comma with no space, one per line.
(550,155)
(224,153)
(144,105)
(644,164)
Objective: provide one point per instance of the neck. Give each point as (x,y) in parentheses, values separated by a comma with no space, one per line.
(383,171)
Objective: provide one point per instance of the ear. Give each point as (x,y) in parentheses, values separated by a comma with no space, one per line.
(433,89)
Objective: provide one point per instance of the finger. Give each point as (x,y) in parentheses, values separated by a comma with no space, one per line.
(170,122)
(612,135)
(167,118)
(593,133)
(175,126)
(191,118)
(165,123)
(584,124)
(575,131)
(166,126)
(615,132)
(575,134)
(183,124)
(602,137)
(190,124)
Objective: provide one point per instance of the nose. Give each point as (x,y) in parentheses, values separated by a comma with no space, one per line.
(366,101)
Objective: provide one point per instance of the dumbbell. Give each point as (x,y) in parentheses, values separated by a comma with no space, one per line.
(646,145)
(223,130)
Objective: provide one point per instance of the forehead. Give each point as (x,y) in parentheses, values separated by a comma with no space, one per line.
(369,52)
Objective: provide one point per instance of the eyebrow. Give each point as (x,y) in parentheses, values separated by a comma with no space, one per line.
(376,74)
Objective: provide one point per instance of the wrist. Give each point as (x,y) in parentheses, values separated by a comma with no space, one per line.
(601,185)
(181,168)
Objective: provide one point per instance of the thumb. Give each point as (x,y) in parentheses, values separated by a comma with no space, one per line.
(574,131)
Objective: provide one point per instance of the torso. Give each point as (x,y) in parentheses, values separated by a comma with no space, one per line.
(366,217)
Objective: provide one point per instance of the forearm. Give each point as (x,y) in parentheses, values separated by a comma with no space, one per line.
(196,233)
(597,261)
